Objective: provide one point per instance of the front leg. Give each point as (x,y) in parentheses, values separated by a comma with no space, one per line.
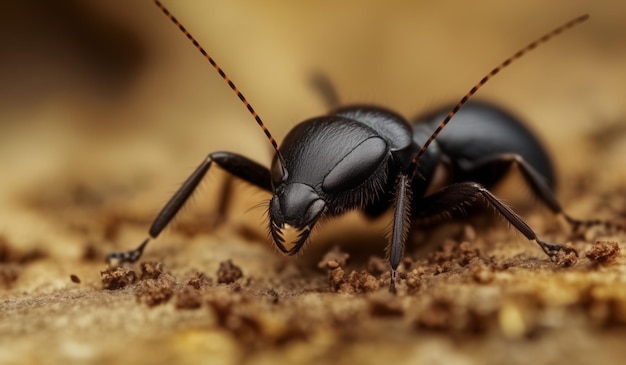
(237,165)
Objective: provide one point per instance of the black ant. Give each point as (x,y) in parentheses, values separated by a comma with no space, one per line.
(371,159)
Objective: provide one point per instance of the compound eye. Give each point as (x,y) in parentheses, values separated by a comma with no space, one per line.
(357,166)
(278,171)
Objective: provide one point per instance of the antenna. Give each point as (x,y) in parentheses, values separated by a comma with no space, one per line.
(222,74)
(543,39)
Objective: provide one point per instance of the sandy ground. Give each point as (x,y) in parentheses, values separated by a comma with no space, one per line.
(105,109)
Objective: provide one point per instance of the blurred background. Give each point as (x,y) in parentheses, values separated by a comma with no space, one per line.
(105,107)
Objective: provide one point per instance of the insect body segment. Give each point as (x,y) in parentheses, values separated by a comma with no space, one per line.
(371,159)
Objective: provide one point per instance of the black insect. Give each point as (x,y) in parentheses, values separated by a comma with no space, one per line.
(371,159)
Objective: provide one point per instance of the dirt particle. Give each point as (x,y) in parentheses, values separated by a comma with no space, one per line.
(333,259)
(566,257)
(156,291)
(75,279)
(228,273)
(355,282)
(603,252)
(413,281)
(366,282)
(453,253)
(151,270)
(200,281)
(336,278)
(117,278)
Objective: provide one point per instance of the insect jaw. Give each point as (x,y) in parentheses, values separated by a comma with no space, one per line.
(291,221)
(290,235)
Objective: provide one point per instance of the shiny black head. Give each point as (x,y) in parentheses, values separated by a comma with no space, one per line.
(294,210)
(329,165)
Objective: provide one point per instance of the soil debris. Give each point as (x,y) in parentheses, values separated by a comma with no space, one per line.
(334,262)
(413,281)
(151,270)
(603,252)
(117,277)
(451,251)
(228,272)
(333,259)
(200,281)
(566,257)
(156,291)
(355,282)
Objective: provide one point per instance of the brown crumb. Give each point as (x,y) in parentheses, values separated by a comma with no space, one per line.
(117,278)
(365,282)
(413,281)
(200,281)
(335,278)
(228,272)
(156,291)
(355,282)
(452,253)
(75,279)
(188,298)
(603,252)
(566,257)
(333,259)
(151,270)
